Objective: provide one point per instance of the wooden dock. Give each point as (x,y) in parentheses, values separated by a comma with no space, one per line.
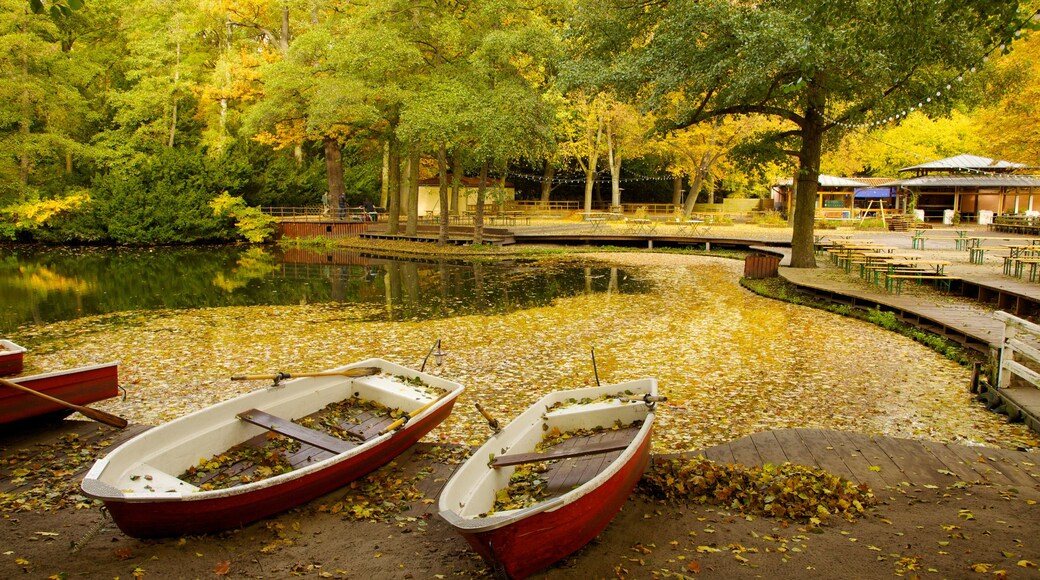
(882,462)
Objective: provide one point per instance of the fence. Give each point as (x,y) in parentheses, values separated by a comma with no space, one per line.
(1018,379)
(318,213)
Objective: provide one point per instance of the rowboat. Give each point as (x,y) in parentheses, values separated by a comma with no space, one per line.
(79,386)
(11,358)
(551,480)
(269,450)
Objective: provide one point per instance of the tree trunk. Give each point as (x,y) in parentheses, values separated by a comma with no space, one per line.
(691,198)
(614,160)
(334,169)
(384,188)
(456,181)
(412,208)
(478,217)
(176,80)
(677,199)
(394,187)
(442,175)
(590,169)
(803,254)
(548,173)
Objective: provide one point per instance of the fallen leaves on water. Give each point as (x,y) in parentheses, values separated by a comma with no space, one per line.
(731,363)
(783,491)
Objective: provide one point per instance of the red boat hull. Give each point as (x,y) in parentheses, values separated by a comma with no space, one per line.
(11,358)
(534,543)
(80,386)
(159,518)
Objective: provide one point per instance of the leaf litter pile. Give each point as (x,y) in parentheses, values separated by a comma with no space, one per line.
(731,363)
(783,491)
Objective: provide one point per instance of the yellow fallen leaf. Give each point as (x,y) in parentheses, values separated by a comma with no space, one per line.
(1027,564)
(980,567)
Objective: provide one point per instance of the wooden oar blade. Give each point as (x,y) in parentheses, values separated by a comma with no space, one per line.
(103,417)
(100,416)
(361,371)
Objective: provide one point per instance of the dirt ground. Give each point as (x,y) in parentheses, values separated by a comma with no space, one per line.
(968,530)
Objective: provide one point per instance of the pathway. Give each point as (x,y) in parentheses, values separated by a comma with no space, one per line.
(883,461)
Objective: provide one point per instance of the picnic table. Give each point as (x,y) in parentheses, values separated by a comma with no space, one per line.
(641,225)
(692,227)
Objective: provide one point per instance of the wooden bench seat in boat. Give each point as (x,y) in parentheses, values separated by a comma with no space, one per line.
(591,449)
(300,433)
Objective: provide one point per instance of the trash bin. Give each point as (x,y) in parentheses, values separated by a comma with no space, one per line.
(761,266)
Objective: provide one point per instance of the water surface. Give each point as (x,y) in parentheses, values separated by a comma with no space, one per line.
(43,285)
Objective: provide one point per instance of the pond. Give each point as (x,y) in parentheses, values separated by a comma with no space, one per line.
(42,285)
(731,363)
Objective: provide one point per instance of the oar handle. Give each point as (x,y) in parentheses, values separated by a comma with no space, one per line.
(100,416)
(403,420)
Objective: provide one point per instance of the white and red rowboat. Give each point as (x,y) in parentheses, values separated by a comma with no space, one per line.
(589,476)
(79,386)
(12,358)
(139,481)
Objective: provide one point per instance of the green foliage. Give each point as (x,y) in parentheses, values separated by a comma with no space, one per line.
(871,224)
(769,218)
(166,199)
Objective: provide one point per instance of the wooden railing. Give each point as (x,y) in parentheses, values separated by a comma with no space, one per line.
(1013,347)
(529,205)
(318,213)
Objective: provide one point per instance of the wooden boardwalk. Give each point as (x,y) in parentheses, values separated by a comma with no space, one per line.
(972,325)
(882,462)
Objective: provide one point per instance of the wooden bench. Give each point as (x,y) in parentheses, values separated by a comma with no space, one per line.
(580,451)
(292,430)
(896,281)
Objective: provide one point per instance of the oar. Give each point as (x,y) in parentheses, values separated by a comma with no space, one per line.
(100,416)
(492,422)
(353,372)
(405,419)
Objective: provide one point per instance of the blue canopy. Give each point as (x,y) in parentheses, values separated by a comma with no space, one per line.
(873,192)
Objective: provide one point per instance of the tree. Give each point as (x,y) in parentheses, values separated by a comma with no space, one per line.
(1010,126)
(918,138)
(42,101)
(626,131)
(582,128)
(815,66)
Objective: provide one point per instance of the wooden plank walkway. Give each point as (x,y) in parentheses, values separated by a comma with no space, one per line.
(880,461)
(973,325)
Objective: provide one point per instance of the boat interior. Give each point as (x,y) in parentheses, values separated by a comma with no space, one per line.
(334,429)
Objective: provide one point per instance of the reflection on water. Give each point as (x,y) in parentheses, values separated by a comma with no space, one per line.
(42,285)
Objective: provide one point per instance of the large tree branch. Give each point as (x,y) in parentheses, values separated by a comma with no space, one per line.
(702,115)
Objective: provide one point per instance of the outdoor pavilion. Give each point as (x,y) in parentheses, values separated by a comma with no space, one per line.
(968,184)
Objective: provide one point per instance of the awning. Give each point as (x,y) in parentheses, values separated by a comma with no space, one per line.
(873,193)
